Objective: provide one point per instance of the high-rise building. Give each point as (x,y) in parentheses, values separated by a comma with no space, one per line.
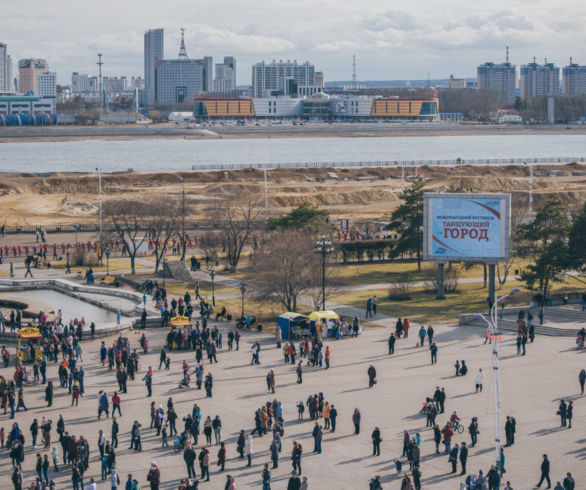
(9,79)
(28,71)
(46,84)
(208,73)
(574,79)
(153,51)
(225,80)
(456,83)
(280,78)
(114,85)
(539,79)
(320,79)
(80,83)
(4,69)
(500,78)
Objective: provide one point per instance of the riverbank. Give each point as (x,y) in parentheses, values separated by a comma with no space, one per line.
(265,131)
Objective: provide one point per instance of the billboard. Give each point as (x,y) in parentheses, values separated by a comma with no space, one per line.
(466,227)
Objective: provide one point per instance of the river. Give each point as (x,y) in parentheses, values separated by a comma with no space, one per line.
(181,154)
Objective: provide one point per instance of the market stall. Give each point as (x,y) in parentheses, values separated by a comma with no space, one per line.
(323,322)
(29,344)
(293,325)
(173,340)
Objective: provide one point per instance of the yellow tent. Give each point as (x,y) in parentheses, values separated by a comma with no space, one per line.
(319,319)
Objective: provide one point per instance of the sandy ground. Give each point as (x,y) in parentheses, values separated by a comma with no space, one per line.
(531,387)
(308,130)
(356,194)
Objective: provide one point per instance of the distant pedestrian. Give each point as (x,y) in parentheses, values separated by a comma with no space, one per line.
(479,380)
(371,376)
(433,350)
(582,380)
(544,472)
(392,341)
(355,420)
(376,440)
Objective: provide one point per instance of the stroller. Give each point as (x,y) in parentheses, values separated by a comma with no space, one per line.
(185,382)
(179,443)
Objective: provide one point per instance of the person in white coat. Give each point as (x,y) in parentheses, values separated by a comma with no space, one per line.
(248,449)
(479,380)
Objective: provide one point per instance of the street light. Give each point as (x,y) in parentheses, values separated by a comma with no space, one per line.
(242,289)
(107,252)
(164,271)
(323,247)
(492,323)
(402,175)
(76,227)
(212,275)
(530,188)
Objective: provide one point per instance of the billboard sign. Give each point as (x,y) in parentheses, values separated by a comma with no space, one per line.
(466,227)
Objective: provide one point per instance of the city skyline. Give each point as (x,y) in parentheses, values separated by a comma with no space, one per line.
(390,44)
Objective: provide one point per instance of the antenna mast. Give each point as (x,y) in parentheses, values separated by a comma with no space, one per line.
(354,70)
(182,50)
(100,63)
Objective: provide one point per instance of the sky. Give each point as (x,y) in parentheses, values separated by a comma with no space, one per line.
(392,40)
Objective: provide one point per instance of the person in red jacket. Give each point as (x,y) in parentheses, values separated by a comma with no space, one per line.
(116,403)
(154,476)
(447,432)
(406,326)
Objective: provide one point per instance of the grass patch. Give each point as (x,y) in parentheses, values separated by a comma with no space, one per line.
(423,307)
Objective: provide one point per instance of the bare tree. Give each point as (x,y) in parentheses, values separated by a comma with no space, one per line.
(163,225)
(284,264)
(131,225)
(504,268)
(209,242)
(237,218)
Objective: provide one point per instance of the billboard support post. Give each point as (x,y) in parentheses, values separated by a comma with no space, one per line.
(491,280)
(440,281)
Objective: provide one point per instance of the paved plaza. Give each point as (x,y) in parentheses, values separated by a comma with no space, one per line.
(531,387)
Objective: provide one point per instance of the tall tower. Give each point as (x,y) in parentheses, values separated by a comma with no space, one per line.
(100,63)
(4,77)
(182,51)
(354,70)
(153,51)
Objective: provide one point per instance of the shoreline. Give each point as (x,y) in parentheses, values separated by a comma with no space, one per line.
(336,130)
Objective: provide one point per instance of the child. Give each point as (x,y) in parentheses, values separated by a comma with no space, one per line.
(164,436)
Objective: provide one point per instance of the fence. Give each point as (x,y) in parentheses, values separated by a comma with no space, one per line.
(388,163)
(87,227)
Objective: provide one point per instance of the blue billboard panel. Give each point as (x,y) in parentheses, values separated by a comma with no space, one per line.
(468,227)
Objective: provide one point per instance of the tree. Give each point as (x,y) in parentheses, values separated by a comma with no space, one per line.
(163,225)
(209,242)
(131,226)
(545,241)
(407,221)
(577,241)
(237,218)
(304,216)
(284,266)
(504,268)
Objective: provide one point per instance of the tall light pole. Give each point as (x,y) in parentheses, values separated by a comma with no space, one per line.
(212,275)
(100,63)
(492,323)
(100,200)
(323,247)
(402,175)
(107,252)
(183,240)
(266,196)
(242,290)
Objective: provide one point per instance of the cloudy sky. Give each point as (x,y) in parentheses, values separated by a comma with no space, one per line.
(391,39)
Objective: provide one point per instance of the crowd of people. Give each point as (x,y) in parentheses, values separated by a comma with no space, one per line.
(180,432)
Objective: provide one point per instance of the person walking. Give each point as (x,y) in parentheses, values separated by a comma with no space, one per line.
(570,413)
(569,483)
(371,376)
(154,476)
(433,351)
(294,482)
(562,412)
(479,380)
(391,343)
(453,459)
(333,417)
(189,458)
(355,420)
(582,380)
(463,457)
(473,431)
(204,464)
(509,432)
(299,371)
(544,472)
(222,456)
(376,440)
(248,450)
(437,437)
(422,333)
(368,307)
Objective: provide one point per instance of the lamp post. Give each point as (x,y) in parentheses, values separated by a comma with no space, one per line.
(212,275)
(492,323)
(530,188)
(164,271)
(242,289)
(76,227)
(402,174)
(107,252)
(323,247)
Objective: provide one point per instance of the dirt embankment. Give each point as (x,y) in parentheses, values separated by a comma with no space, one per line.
(353,193)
